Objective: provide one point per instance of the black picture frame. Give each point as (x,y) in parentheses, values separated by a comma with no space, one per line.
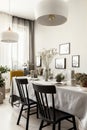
(38,61)
(60,63)
(76,61)
(64,49)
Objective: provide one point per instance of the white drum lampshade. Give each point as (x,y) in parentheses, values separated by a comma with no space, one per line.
(51,12)
(9,36)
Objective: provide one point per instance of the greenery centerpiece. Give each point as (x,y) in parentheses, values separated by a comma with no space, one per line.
(59,77)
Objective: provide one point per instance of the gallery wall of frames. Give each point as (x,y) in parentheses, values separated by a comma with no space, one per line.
(60,63)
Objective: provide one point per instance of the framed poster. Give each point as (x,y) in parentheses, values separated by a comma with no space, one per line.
(64,49)
(76,61)
(60,63)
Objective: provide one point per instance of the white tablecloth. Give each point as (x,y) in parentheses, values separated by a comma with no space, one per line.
(74,100)
(68,98)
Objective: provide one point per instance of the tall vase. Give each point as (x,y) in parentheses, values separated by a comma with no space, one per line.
(46,74)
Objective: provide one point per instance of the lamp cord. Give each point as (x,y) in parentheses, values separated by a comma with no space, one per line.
(9,15)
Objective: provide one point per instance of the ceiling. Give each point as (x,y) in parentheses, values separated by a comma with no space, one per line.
(21,8)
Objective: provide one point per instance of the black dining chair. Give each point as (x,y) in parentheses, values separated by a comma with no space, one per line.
(47,111)
(26,103)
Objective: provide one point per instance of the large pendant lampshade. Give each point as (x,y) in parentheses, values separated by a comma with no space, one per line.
(9,35)
(51,12)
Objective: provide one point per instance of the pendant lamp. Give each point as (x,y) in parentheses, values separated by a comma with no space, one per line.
(9,36)
(51,12)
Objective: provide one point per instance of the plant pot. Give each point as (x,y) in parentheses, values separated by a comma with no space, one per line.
(58,80)
(2,89)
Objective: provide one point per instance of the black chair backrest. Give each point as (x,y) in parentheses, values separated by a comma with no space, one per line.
(22,85)
(43,93)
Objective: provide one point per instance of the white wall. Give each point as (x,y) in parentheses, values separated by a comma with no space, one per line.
(73,31)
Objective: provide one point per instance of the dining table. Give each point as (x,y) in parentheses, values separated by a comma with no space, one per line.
(71,99)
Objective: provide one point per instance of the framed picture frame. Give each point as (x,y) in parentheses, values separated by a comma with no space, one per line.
(76,61)
(38,61)
(60,63)
(64,49)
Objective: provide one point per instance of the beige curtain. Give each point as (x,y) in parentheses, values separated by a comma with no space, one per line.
(25,47)
(5,48)
(31,44)
(16,54)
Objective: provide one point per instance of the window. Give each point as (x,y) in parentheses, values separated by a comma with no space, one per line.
(15,54)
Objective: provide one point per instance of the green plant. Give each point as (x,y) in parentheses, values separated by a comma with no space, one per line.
(83,80)
(2,81)
(4,69)
(59,77)
(79,77)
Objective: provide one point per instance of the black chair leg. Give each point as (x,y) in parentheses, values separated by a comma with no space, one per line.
(20,115)
(41,125)
(59,126)
(27,122)
(74,123)
(53,127)
(37,112)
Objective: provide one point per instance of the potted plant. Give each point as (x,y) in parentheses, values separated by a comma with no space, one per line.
(4,69)
(2,85)
(83,80)
(78,77)
(59,77)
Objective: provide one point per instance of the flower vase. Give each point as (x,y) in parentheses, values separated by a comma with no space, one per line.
(46,74)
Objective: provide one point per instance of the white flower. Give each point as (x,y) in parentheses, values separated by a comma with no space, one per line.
(47,56)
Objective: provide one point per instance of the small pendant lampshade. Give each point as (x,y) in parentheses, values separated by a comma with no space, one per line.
(9,36)
(51,12)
